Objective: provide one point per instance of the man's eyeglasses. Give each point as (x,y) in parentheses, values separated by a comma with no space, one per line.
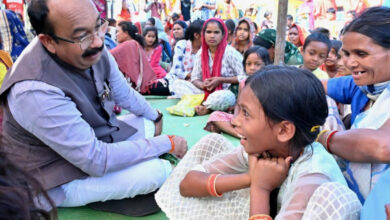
(86,41)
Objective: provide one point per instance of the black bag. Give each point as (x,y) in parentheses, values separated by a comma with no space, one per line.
(140,205)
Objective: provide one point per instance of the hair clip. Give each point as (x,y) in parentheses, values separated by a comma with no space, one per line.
(315,128)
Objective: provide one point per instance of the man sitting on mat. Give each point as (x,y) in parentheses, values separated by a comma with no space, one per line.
(59,123)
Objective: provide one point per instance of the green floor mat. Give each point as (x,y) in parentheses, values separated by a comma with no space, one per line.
(190,128)
(155,97)
(85,213)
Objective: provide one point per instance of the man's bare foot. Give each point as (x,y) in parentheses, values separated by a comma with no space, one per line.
(202,110)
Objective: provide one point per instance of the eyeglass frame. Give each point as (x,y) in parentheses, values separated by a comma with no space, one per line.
(100,33)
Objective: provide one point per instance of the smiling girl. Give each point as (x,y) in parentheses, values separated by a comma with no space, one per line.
(278,122)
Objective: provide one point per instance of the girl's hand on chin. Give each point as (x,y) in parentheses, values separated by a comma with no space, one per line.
(268,173)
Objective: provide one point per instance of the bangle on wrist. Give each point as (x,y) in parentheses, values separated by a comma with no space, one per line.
(172,143)
(211,185)
(328,138)
(159,116)
(260,217)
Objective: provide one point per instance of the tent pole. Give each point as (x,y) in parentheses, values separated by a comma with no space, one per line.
(281,32)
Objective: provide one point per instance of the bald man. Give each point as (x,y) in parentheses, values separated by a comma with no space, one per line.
(59,121)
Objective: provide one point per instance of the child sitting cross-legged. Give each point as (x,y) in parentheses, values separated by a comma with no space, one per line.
(279,112)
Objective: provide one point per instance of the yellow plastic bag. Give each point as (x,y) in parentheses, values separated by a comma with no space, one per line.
(186,106)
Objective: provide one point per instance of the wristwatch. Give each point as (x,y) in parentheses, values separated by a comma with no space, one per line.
(159,116)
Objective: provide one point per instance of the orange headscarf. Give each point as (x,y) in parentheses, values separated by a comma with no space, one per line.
(301,33)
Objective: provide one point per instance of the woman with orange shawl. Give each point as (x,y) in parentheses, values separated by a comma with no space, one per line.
(243,35)
(297,35)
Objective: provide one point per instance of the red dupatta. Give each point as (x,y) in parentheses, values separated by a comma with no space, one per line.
(217,64)
(139,27)
(302,33)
